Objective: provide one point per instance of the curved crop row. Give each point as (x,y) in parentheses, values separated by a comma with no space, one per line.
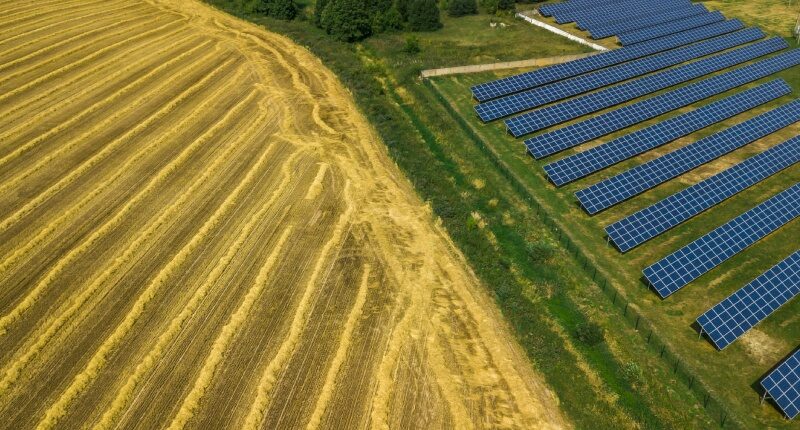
(85,18)
(36,292)
(26,14)
(258,407)
(221,343)
(97,361)
(341,352)
(125,394)
(112,146)
(114,22)
(144,22)
(57,321)
(89,72)
(21,149)
(83,60)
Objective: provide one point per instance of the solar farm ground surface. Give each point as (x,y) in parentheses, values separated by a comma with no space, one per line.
(733,371)
(198,228)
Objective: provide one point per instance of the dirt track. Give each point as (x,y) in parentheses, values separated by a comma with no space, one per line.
(198,229)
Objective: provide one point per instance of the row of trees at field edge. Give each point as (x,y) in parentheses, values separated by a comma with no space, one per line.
(353,20)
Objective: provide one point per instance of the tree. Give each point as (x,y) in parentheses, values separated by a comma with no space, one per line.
(423,15)
(462,7)
(318,8)
(506,4)
(389,19)
(402,8)
(347,20)
(280,9)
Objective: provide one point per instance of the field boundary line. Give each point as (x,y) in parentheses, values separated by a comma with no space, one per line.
(478,68)
(559,31)
(598,275)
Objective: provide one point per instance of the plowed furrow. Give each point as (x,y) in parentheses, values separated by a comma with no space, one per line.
(33,295)
(19,18)
(84,60)
(78,117)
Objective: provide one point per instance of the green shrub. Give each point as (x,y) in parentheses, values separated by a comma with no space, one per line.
(506,4)
(347,20)
(632,373)
(590,334)
(423,15)
(540,251)
(412,45)
(279,9)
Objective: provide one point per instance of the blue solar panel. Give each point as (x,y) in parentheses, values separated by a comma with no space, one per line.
(608,10)
(656,31)
(540,96)
(647,20)
(754,302)
(676,270)
(611,96)
(575,134)
(549,9)
(611,191)
(599,157)
(546,75)
(783,385)
(592,21)
(648,223)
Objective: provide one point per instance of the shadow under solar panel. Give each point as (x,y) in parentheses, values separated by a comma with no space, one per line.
(751,304)
(783,385)
(676,270)
(656,219)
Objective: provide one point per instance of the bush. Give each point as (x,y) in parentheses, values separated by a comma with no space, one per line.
(280,9)
(318,8)
(389,19)
(506,4)
(347,20)
(412,45)
(540,251)
(462,7)
(632,373)
(589,333)
(423,15)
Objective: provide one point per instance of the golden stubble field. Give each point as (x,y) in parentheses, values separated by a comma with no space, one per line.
(198,229)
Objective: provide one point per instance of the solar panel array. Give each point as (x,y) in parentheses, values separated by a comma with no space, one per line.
(647,20)
(648,223)
(573,108)
(754,302)
(540,96)
(628,10)
(661,30)
(597,22)
(622,6)
(783,385)
(545,75)
(675,271)
(575,134)
(550,9)
(611,191)
(599,157)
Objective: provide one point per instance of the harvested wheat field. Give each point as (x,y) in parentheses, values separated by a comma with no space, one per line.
(198,229)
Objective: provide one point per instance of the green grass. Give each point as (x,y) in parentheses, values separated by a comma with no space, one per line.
(465,169)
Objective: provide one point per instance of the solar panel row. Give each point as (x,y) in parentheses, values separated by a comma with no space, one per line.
(611,96)
(647,20)
(623,186)
(783,385)
(545,75)
(543,95)
(676,270)
(609,10)
(656,31)
(754,302)
(649,222)
(575,134)
(549,9)
(599,157)
(630,12)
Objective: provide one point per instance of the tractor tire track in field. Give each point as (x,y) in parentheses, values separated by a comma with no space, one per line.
(201,230)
